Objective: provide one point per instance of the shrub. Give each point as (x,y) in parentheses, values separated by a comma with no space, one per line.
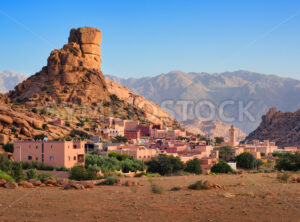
(44,126)
(284,177)
(120,139)
(175,188)
(193,166)
(111,180)
(61,169)
(4,175)
(198,186)
(288,161)
(80,173)
(31,174)
(165,165)
(16,171)
(221,167)
(39,137)
(157,189)
(225,152)
(42,176)
(245,160)
(9,147)
(119,156)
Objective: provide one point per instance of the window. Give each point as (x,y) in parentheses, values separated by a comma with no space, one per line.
(51,158)
(36,158)
(75,146)
(74,157)
(36,147)
(69,158)
(29,157)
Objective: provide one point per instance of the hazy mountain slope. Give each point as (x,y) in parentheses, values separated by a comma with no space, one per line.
(212,128)
(8,80)
(265,91)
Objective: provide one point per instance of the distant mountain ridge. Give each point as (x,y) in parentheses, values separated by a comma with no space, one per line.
(9,79)
(265,91)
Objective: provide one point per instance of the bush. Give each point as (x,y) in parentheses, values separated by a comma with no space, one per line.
(120,139)
(221,167)
(111,180)
(9,147)
(193,166)
(198,186)
(119,156)
(245,160)
(175,188)
(42,176)
(39,137)
(288,161)
(13,169)
(80,173)
(284,177)
(31,174)
(165,165)
(4,175)
(61,169)
(157,189)
(225,152)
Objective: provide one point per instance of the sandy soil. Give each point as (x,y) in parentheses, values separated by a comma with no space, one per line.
(121,203)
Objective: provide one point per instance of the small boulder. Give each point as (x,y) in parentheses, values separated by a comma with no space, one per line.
(11,185)
(35,182)
(228,195)
(26,184)
(2,182)
(268,195)
(242,183)
(129,183)
(50,180)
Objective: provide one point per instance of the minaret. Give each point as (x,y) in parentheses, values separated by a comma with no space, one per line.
(232,140)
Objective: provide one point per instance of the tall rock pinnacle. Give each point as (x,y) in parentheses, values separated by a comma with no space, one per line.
(72,73)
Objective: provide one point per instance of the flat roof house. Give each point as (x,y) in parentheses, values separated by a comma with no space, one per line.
(51,153)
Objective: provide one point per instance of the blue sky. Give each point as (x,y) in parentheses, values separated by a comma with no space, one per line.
(149,37)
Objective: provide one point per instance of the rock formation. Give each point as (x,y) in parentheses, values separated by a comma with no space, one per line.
(71,88)
(282,128)
(72,73)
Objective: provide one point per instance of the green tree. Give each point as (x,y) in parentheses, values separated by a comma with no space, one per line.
(39,137)
(165,165)
(288,161)
(193,166)
(219,139)
(9,147)
(224,152)
(221,167)
(245,160)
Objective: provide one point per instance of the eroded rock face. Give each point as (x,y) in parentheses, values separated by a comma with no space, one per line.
(282,128)
(72,73)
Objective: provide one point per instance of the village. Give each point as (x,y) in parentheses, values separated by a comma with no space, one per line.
(142,142)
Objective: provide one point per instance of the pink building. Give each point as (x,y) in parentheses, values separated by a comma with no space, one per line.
(166,133)
(51,153)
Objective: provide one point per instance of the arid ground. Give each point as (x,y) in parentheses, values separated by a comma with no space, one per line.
(247,197)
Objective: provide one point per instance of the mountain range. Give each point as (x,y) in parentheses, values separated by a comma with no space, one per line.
(9,79)
(260,91)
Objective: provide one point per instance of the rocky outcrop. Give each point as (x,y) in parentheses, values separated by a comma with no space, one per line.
(72,73)
(282,128)
(71,88)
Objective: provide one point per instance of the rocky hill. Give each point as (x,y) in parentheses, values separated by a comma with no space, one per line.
(212,128)
(264,91)
(8,80)
(72,88)
(283,128)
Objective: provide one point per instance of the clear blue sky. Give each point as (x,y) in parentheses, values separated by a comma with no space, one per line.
(149,37)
